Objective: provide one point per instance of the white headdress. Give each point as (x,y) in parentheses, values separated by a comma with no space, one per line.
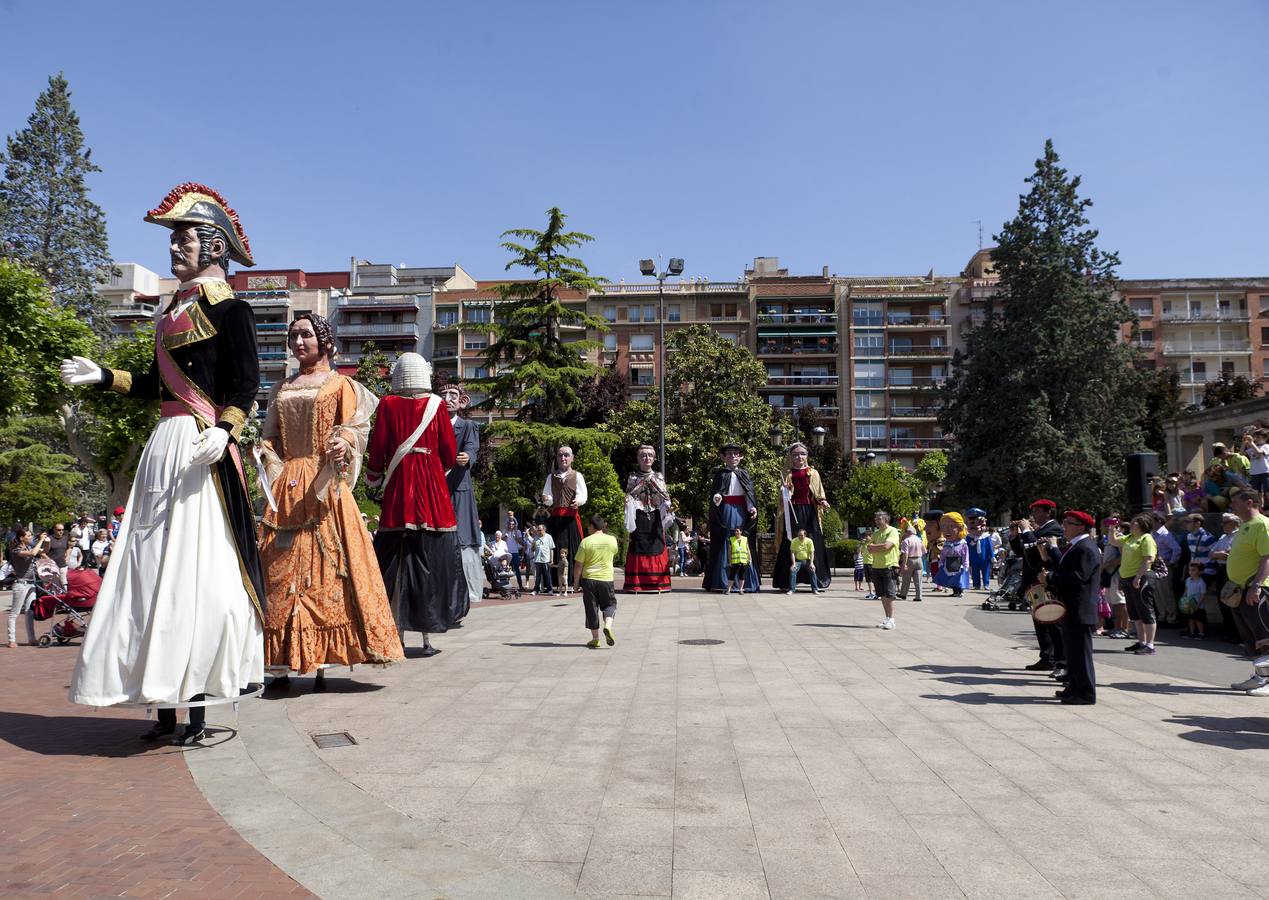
(411,375)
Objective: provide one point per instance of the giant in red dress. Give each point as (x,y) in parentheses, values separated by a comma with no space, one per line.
(416,540)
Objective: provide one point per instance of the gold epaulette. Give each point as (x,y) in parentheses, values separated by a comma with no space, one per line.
(216,291)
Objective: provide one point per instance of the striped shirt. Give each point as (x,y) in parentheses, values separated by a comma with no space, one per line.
(1201,541)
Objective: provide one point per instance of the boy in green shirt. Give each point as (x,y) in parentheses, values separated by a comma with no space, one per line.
(737,560)
(593,571)
(802,548)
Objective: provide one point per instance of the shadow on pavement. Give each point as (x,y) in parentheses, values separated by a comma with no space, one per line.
(299,685)
(982,698)
(89,735)
(1242,733)
(931,669)
(832,625)
(1168,689)
(543,644)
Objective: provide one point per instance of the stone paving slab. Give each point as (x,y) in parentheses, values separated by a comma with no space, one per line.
(809,754)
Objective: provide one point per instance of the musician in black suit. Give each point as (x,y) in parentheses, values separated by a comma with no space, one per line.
(1026,544)
(1074,576)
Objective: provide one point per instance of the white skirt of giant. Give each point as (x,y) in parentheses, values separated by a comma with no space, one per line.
(172,619)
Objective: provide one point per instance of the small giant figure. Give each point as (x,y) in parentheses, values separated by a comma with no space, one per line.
(732,504)
(564,495)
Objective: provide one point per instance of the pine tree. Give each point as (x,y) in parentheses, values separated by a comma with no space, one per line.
(531,364)
(47,220)
(1046,401)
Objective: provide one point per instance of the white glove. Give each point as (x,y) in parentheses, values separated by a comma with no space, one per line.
(78,370)
(209,446)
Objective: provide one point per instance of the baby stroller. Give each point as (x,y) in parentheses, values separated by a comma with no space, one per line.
(75,603)
(1009,594)
(499,579)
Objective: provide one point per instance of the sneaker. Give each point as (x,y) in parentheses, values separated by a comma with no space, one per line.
(608,636)
(1146,650)
(790,593)
(817,590)
(1251,684)
(1134,647)
(1262,691)
(593,643)
(886,624)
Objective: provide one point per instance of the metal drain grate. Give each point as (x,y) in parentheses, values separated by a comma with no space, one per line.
(701,642)
(335,739)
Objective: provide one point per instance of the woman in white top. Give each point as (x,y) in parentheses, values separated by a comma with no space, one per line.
(515,547)
(1256,449)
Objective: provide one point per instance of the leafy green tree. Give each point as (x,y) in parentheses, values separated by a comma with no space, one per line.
(35,335)
(1229,388)
(374,370)
(932,469)
(47,220)
(1046,400)
(105,430)
(37,484)
(884,486)
(1162,402)
(712,397)
(532,367)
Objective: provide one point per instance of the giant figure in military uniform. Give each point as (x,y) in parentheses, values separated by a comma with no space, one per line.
(180,611)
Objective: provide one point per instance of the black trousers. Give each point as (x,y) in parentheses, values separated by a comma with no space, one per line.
(197,714)
(1049,637)
(1077,640)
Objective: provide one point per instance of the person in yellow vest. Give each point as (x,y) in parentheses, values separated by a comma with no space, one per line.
(593,571)
(737,560)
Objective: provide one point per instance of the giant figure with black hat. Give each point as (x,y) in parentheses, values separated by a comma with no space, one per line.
(179,616)
(732,504)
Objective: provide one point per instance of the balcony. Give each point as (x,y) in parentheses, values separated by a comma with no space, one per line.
(133,310)
(870,443)
(920,382)
(1207,315)
(272,326)
(797,348)
(908,296)
(800,380)
(395,329)
(819,318)
(912,412)
(270,354)
(867,321)
(895,321)
(407,302)
(1182,348)
(902,351)
(683,287)
(917,443)
(819,410)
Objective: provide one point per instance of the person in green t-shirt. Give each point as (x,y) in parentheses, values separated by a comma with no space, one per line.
(593,571)
(884,546)
(802,549)
(1137,552)
(1248,567)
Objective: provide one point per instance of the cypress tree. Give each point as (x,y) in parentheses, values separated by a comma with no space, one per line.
(47,220)
(1046,401)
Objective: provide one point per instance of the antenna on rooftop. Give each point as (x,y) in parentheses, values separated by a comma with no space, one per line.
(980,233)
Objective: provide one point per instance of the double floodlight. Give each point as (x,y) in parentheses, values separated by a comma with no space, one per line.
(647,267)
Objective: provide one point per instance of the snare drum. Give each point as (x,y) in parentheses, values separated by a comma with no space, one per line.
(1046,608)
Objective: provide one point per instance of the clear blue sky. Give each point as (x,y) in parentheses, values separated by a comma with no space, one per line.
(868,137)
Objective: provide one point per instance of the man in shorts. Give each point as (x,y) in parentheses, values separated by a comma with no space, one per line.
(593,571)
(884,547)
(1248,569)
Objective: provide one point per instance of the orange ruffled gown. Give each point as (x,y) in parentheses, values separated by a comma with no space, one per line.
(327,604)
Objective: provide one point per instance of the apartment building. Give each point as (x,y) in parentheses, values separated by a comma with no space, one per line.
(900,352)
(134,296)
(1202,327)
(277,296)
(391,305)
(460,338)
(632,312)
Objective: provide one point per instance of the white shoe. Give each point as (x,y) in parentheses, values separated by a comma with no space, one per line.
(1251,684)
(1262,691)
(790,593)
(886,624)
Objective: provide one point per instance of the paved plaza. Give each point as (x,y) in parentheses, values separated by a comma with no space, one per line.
(804,753)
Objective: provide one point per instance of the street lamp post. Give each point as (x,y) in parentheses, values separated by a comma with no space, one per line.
(648,267)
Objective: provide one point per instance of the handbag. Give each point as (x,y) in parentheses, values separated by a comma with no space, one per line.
(1232,594)
(1103,606)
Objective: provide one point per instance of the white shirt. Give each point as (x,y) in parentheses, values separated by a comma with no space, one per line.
(580,487)
(1259,454)
(733,487)
(498,548)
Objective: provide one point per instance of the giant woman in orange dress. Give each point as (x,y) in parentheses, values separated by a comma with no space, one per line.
(328,604)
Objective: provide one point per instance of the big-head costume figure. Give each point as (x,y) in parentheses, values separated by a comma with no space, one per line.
(732,504)
(461,492)
(179,616)
(411,448)
(564,494)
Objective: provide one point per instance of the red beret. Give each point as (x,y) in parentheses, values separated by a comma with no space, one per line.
(1049,504)
(118,510)
(1079,516)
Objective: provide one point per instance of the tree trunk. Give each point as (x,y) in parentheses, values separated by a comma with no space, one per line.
(119,483)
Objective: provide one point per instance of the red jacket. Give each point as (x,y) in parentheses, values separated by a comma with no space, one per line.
(417,495)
